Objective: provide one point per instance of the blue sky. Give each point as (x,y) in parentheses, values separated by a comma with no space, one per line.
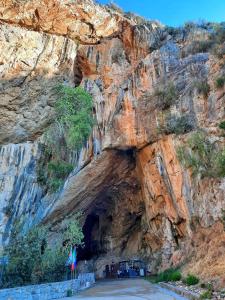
(175,12)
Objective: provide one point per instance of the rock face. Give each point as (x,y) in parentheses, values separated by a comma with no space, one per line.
(137,198)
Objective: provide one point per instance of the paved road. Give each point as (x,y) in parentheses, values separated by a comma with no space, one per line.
(131,289)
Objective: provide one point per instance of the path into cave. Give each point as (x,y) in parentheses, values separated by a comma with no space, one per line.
(132,289)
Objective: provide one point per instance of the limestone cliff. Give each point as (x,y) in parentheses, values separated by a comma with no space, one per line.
(138,199)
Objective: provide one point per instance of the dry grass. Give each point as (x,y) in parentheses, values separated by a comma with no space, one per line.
(208,261)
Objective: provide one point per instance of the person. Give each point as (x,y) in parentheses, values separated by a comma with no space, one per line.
(107,273)
(112,269)
(118,273)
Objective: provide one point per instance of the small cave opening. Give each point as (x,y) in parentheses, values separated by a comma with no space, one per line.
(78,75)
(91,231)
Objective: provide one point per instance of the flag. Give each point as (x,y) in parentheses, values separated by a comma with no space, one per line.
(74,259)
(70,258)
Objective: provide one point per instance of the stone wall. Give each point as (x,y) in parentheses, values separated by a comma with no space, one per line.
(48,291)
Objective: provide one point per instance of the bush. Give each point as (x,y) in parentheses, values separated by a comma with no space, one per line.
(191,280)
(166,96)
(206,295)
(202,156)
(168,275)
(203,88)
(178,125)
(218,50)
(115,7)
(175,276)
(54,184)
(174,30)
(199,47)
(69,132)
(33,260)
(222,125)
(57,172)
(69,293)
(53,174)
(219,33)
(220,81)
(74,115)
(25,256)
(220,163)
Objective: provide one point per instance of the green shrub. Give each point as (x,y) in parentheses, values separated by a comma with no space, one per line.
(191,280)
(33,260)
(61,169)
(166,95)
(206,295)
(202,156)
(72,127)
(203,88)
(168,275)
(25,256)
(175,276)
(222,125)
(54,184)
(57,172)
(74,115)
(178,125)
(52,174)
(220,81)
(220,163)
(69,293)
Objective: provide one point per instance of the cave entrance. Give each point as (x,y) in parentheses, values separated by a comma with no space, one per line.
(91,232)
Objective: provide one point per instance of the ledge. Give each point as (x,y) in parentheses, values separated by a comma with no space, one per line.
(188,294)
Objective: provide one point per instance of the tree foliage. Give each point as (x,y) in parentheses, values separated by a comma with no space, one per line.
(72,127)
(33,259)
(74,115)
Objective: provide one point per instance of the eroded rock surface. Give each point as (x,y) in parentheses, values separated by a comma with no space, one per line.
(137,199)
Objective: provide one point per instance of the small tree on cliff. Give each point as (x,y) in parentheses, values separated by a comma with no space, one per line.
(74,118)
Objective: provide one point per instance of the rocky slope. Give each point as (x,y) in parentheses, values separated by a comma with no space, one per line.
(138,199)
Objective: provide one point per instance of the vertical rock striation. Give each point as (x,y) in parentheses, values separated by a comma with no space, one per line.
(137,198)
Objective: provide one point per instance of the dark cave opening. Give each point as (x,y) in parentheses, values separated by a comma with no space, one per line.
(90,230)
(110,221)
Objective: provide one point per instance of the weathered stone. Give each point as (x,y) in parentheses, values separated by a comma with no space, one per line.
(138,198)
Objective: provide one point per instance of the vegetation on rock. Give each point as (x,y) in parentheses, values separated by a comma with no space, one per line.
(74,115)
(32,259)
(222,125)
(199,46)
(68,133)
(191,280)
(202,156)
(167,275)
(166,95)
(202,88)
(220,82)
(213,44)
(177,124)
(206,295)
